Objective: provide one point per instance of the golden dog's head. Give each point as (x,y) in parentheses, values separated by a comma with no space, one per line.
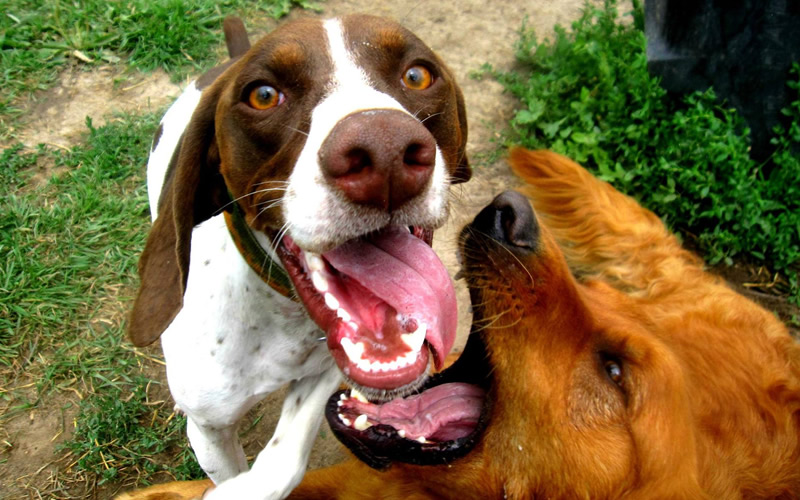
(642,376)
(603,363)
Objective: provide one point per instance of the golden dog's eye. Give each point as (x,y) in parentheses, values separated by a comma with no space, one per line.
(264,97)
(614,371)
(417,78)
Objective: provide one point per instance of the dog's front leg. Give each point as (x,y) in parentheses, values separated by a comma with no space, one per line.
(218,449)
(281,464)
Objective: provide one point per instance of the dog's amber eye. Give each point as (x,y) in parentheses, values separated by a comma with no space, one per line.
(264,97)
(614,371)
(417,78)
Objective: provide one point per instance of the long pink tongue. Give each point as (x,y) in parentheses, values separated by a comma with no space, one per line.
(403,271)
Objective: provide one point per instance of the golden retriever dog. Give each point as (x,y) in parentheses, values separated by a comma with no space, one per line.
(604,362)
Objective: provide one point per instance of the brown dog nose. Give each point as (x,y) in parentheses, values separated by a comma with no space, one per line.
(380,158)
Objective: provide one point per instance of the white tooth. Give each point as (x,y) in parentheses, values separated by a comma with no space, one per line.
(358,396)
(339,403)
(343,314)
(409,358)
(320,283)
(401,433)
(353,325)
(314,262)
(393,365)
(422,439)
(401,362)
(375,366)
(363,365)
(345,420)
(331,301)
(353,350)
(414,340)
(342,396)
(361,424)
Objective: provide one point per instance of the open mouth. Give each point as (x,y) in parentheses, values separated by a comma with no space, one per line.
(438,424)
(386,303)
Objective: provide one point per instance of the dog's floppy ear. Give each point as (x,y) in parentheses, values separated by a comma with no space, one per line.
(463,171)
(193,192)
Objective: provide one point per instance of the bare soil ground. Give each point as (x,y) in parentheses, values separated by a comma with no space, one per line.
(466,34)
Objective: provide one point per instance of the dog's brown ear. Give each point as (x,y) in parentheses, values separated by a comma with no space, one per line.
(463,171)
(193,192)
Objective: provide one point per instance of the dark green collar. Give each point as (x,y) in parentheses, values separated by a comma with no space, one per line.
(257,258)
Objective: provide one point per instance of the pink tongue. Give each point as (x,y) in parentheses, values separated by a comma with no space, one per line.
(403,271)
(444,412)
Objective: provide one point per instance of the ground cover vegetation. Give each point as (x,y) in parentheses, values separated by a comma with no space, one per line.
(587,94)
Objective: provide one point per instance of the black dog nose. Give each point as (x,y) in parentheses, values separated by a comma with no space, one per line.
(509,219)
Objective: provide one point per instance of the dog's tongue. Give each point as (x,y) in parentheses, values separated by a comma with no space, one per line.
(392,284)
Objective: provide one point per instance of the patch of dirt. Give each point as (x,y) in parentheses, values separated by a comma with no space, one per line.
(57,117)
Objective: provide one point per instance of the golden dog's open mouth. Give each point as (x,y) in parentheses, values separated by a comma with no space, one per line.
(438,424)
(384,301)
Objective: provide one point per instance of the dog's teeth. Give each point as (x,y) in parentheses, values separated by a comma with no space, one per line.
(331,302)
(319,281)
(314,262)
(342,396)
(414,340)
(354,350)
(401,433)
(358,396)
(361,424)
(345,420)
(340,403)
(422,440)
(341,313)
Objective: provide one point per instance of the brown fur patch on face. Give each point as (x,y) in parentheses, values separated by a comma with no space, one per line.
(391,39)
(288,55)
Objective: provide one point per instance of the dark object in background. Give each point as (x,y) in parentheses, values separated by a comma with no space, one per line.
(743,48)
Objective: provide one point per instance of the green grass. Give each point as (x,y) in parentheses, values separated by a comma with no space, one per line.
(587,94)
(122,433)
(68,249)
(38,37)
(68,246)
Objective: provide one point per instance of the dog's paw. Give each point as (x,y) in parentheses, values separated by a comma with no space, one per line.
(256,485)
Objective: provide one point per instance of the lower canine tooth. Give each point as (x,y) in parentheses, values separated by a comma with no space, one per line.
(358,396)
(414,340)
(361,424)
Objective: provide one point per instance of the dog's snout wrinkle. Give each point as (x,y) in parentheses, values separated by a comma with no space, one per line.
(379,158)
(509,219)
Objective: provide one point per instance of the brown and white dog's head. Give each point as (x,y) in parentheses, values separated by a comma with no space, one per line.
(339,141)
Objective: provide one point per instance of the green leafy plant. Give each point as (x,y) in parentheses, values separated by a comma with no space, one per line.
(587,94)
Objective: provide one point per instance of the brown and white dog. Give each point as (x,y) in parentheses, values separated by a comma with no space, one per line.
(294,193)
